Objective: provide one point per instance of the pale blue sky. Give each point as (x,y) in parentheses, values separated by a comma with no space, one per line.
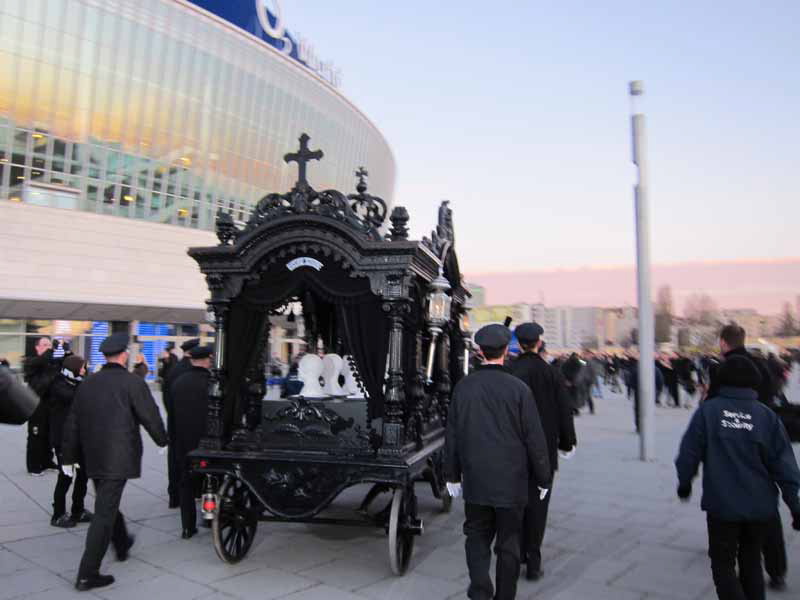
(518,113)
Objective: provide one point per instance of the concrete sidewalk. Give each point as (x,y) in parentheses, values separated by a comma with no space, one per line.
(617,532)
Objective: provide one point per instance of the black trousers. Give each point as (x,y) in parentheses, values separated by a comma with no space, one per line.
(482,525)
(775,549)
(188,506)
(39,455)
(730,543)
(173,468)
(62,487)
(108,525)
(672,387)
(534,523)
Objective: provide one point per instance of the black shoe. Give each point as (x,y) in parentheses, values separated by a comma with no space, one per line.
(534,574)
(122,553)
(62,521)
(83,516)
(84,584)
(188,533)
(777,583)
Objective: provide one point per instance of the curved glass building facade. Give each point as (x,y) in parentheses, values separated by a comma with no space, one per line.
(162,111)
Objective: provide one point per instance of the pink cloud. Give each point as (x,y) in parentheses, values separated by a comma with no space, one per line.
(761,284)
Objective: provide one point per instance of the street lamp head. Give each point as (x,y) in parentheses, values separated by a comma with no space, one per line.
(636,88)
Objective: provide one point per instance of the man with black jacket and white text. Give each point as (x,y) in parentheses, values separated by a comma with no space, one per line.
(747,457)
(731,343)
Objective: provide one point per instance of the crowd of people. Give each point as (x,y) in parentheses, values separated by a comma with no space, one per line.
(509,422)
(87,426)
(524,406)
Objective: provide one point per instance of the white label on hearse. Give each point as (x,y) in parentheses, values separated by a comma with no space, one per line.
(304,261)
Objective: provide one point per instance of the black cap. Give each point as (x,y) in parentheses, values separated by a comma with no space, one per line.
(189,344)
(493,336)
(739,371)
(529,333)
(201,351)
(114,344)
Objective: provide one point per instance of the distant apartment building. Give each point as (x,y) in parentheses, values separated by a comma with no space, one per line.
(755,325)
(478,294)
(567,327)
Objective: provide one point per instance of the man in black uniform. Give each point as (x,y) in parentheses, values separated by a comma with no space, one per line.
(555,414)
(494,445)
(104,423)
(189,393)
(747,457)
(171,372)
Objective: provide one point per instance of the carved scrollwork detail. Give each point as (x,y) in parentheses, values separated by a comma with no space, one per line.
(444,235)
(225,228)
(369,208)
(313,424)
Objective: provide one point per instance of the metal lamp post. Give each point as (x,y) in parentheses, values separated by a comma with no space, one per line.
(646,324)
(438,314)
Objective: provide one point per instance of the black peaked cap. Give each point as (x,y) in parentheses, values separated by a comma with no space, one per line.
(201,351)
(115,343)
(529,333)
(189,344)
(493,336)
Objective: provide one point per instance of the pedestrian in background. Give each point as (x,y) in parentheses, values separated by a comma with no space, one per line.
(108,409)
(189,393)
(39,371)
(747,458)
(169,373)
(60,399)
(140,367)
(495,445)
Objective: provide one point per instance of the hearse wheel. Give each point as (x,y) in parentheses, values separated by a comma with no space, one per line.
(234,526)
(403,526)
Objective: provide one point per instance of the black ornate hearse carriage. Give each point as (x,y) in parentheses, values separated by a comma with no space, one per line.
(393,305)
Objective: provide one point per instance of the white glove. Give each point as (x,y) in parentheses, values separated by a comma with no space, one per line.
(454,489)
(543,493)
(567,455)
(68,470)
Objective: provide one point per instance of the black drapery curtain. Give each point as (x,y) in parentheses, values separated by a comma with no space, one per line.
(246,323)
(342,306)
(456,354)
(365,333)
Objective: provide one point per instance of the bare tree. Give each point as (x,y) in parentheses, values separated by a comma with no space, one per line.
(700,309)
(788,326)
(663,317)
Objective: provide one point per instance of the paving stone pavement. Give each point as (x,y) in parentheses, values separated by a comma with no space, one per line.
(617,532)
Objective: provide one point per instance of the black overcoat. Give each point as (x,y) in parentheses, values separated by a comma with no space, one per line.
(494,440)
(59,400)
(555,410)
(104,422)
(175,371)
(189,394)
